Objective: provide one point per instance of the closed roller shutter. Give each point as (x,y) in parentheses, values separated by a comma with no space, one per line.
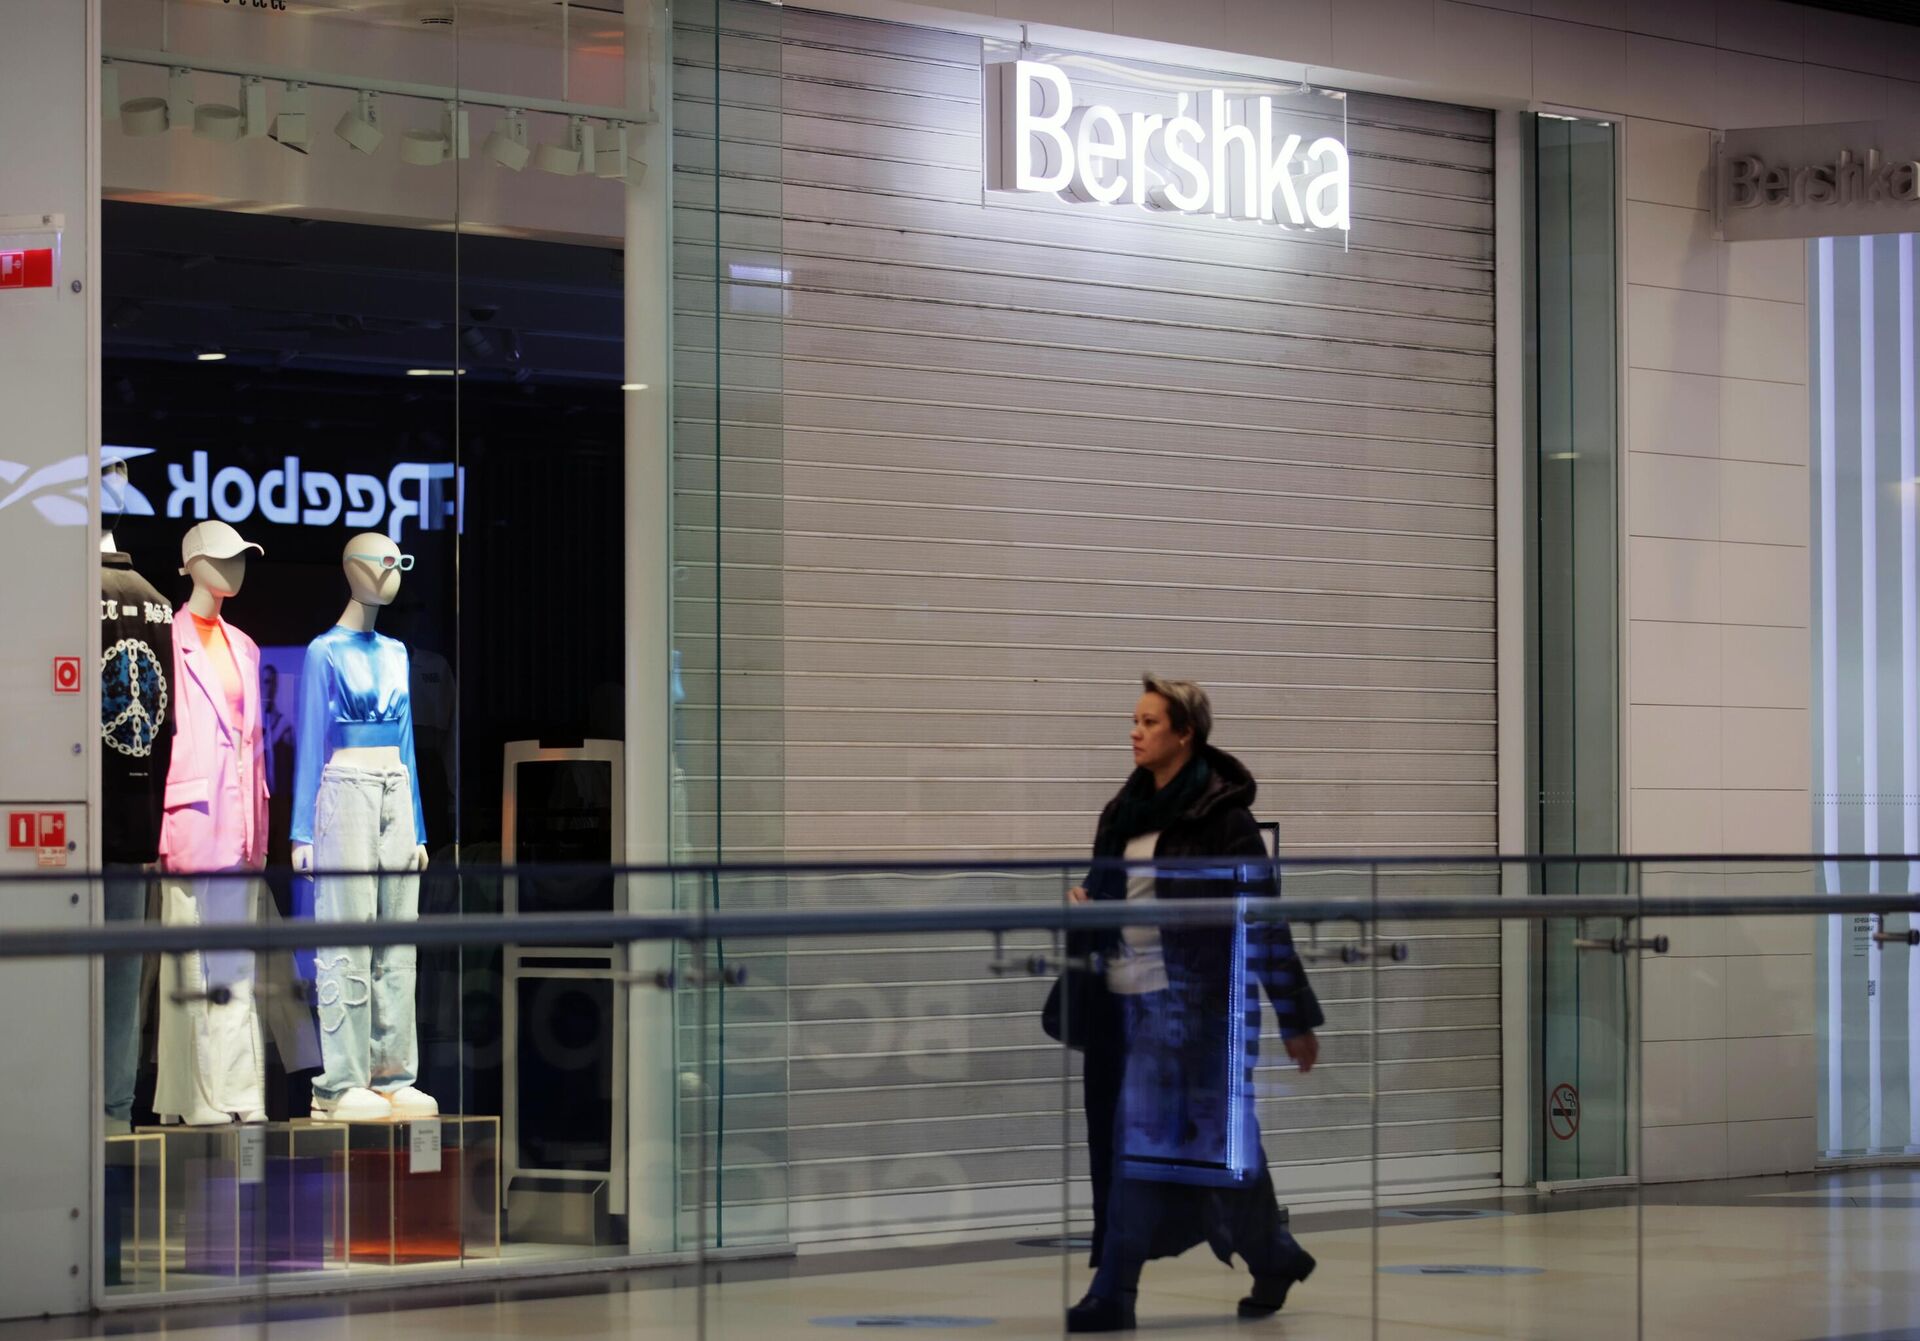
(981,461)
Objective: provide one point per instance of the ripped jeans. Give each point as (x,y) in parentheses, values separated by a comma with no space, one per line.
(363,823)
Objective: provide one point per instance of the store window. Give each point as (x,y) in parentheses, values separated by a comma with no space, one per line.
(365,417)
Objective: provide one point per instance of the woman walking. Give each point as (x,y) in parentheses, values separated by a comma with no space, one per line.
(1174,1145)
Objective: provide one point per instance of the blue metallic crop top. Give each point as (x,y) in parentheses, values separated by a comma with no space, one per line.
(353,694)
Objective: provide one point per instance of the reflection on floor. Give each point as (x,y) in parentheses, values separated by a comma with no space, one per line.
(1781,1259)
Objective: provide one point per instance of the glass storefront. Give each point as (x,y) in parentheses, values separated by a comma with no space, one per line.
(651,437)
(1584,994)
(367,408)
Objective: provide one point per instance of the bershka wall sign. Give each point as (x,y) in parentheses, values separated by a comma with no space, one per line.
(1208,152)
(1840,179)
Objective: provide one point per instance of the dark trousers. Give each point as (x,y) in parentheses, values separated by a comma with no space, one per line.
(1136,1219)
(1139,1211)
(1102,1071)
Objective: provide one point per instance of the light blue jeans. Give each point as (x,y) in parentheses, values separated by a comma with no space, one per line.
(363,824)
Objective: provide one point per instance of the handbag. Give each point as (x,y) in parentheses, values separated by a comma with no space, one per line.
(1078,995)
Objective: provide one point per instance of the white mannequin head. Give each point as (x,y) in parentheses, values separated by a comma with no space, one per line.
(370,582)
(219,577)
(214,555)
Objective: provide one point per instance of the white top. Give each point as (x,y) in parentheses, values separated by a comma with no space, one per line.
(1140,967)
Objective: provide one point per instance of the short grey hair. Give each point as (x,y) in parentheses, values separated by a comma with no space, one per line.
(1188,707)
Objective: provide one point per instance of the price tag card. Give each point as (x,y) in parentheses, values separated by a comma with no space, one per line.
(424,1146)
(253,1154)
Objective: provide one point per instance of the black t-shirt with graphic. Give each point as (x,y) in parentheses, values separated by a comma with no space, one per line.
(136,710)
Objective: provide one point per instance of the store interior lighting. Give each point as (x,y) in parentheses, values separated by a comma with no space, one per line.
(593,141)
(610,151)
(179,98)
(217,121)
(359,125)
(507,145)
(144,116)
(155,116)
(425,148)
(253,109)
(571,157)
(290,127)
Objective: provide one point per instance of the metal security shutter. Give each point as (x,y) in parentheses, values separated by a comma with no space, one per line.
(983,459)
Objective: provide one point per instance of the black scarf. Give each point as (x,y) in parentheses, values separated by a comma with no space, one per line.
(1143,808)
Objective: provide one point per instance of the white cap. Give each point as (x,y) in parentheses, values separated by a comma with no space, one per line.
(214,540)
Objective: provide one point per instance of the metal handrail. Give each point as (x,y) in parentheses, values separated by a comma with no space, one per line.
(701,924)
(1485,863)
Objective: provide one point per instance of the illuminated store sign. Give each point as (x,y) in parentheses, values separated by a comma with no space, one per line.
(1831,180)
(296,496)
(432,496)
(1219,153)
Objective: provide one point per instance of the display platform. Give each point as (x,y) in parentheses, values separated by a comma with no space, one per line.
(245,1200)
(186,1206)
(419,1191)
(135,1196)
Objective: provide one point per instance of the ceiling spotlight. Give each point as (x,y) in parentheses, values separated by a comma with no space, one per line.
(179,97)
(571,158)
(290,127)
(144,116)
(253,108)
(216,121)
(507,145)
(424,148)
(610,150)
(155,116)
(210,356)
(359,125)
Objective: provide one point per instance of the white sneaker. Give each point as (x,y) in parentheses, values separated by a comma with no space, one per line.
(356,1105)
(411,1103)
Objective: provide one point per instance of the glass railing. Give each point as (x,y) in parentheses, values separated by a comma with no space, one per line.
(796,1098)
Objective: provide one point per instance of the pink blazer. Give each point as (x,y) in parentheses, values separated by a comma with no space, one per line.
(216,803)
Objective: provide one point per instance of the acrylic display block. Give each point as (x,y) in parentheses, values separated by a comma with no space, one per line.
(133,1244)
(253,1200)
(422,1191)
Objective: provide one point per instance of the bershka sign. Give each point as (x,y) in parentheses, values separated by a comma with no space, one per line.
(1839,179)
(1219,153)
(1754,182)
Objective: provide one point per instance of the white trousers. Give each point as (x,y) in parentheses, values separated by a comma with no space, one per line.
(212,1057)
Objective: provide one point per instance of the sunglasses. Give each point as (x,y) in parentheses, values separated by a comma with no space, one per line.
(387,562)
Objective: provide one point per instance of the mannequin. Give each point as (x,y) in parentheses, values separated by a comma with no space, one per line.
(357,820)
(136,736)
(212,840)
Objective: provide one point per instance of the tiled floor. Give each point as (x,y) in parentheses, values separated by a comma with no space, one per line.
(1766,1260)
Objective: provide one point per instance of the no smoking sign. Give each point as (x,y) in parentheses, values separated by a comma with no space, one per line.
(1563,1112)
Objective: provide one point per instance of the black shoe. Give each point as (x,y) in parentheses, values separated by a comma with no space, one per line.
(1095,1314)
(1270,1292)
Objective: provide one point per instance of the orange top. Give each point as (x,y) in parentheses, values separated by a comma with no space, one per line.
(213,637)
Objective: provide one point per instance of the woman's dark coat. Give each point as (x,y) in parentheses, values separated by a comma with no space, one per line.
(1218,823)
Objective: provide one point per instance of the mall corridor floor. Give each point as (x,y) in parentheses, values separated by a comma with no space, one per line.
(1775,1259)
